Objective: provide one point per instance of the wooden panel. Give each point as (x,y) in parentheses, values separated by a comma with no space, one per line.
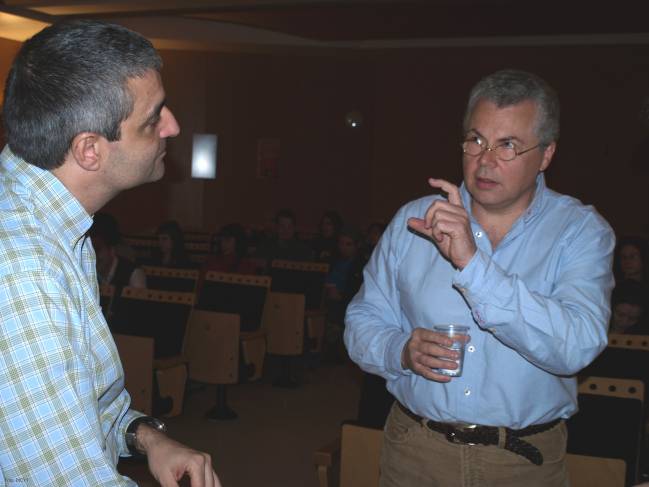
(284,323)
(136,354)
(160,296)
(633,342)
(586,471)
(253,347)
(605,386)
(171,383)
(360,456)
(212,347)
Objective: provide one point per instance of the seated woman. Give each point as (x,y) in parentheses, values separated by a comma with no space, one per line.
(171,246)
(231,254)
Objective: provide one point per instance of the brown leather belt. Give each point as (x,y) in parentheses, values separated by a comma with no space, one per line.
(507,438)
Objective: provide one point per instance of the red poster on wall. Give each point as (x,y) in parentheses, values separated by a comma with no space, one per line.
(268,158)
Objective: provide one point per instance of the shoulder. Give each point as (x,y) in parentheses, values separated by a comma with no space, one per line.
(28,246)
(574,214)
(575,225)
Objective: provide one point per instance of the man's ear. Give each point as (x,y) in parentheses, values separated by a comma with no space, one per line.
(548,153)
(86,151)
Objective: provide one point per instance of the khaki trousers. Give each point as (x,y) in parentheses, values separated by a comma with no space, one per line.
(415,456)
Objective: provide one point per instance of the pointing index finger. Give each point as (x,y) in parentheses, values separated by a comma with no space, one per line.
(452,190)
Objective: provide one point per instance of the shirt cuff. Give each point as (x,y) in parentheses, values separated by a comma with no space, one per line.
(465,276)
(477,282)
(393,355)
(130,415)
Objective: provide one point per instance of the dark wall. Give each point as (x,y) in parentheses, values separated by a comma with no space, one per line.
(412,101)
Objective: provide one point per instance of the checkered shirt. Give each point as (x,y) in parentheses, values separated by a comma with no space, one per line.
(63,406)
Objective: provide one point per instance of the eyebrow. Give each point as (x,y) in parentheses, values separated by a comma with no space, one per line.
(500,140)
(155,113)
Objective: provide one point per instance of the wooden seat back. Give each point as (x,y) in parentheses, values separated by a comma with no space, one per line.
(171,279)
(136,355)
(609,422)
(240,294)
(161,315)
(307,278)
(212,347)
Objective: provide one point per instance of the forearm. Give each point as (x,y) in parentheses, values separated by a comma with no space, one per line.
(560,328)
(373,337)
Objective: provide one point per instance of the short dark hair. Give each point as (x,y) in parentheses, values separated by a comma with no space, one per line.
(285,213)
(335,218)
(70,78)
(237,232)
(512,86)
(639,243)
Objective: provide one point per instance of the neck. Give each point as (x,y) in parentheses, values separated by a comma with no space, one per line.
(92,195)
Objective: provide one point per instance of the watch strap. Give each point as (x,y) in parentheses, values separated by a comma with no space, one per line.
(131,430)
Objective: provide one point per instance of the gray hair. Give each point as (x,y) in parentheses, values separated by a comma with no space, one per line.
(510,87)
(72,77)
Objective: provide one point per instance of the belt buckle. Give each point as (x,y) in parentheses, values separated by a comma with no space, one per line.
(451,435)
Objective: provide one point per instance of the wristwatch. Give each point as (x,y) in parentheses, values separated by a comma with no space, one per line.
(131,430)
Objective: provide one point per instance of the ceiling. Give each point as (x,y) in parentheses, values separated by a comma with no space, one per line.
(241,24)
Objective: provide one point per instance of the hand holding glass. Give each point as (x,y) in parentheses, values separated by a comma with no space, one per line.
(453,331)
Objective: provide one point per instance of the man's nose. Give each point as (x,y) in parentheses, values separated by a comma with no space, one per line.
(169,126)
(488,156)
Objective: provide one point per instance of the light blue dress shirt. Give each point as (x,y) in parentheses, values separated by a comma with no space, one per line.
(537,307)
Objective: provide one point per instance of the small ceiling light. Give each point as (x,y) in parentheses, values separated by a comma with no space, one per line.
(354,119)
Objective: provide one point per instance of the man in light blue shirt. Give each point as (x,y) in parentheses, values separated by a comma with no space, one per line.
(526,269)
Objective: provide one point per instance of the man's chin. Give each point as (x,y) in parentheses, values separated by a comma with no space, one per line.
(158,170)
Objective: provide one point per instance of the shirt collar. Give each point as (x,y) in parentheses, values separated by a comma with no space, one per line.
(532,210)
(59,207)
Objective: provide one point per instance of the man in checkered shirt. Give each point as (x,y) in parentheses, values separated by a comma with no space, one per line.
(85,118)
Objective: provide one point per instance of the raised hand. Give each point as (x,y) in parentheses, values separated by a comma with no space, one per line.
(447,224)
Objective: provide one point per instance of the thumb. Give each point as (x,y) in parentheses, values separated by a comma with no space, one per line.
(417,224)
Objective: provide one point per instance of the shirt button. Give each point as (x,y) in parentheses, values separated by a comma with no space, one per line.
(471,348)
(492,330)
(478,234)
(467,392)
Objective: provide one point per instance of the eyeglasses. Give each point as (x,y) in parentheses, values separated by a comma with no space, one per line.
(507,151)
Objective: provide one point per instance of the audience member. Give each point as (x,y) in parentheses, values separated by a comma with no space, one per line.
(171,246)
(343,281)
(85,118)
(630,259)
(372,237)
(284,245)
(113,268)
(325,243)
(629,308)
(231,252)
